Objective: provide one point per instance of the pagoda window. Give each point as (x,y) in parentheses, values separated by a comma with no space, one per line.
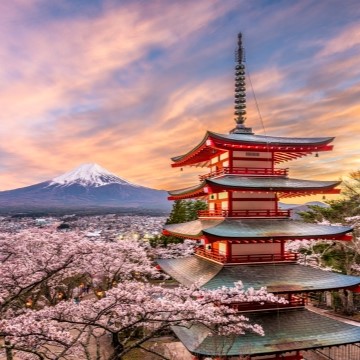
(224,156)
(222,248)
(214,160)
(224,205)
(223,195)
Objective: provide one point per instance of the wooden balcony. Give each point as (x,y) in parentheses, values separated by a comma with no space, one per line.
(245,259)
(244,213)
(246,172)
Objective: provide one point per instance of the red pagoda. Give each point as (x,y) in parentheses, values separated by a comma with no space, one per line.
(243,235)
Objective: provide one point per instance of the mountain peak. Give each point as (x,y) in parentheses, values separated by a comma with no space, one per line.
(90,174)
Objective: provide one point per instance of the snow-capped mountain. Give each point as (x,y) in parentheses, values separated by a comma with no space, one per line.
(88,186)
(89,175)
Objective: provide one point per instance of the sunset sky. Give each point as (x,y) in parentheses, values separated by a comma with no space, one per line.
(129,84)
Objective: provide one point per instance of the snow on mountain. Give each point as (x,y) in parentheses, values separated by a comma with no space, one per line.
(89,175)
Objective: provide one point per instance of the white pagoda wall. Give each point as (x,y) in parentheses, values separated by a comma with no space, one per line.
(269,202)
(253,249)
(256,159)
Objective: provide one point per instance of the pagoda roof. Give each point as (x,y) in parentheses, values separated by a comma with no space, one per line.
(286,187)
(214,143)
(255,229)
(277,278)
(285,330)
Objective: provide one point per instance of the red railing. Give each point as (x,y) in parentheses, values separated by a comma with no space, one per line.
(263,258)
(214,255)
(244,213)
(245,171)
(293,302)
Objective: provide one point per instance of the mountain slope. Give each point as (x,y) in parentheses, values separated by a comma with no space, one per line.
(296,208)
(89,185)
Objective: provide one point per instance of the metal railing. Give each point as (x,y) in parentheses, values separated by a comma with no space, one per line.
(214,255)
(245,171)
(294,302)
(244,213)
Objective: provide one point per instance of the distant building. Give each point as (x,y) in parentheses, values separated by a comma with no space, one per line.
(42,222)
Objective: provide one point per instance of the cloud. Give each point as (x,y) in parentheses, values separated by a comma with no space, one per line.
(346,40)
(130,84)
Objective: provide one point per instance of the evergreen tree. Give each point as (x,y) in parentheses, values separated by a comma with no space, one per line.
(182,211)
(178,213)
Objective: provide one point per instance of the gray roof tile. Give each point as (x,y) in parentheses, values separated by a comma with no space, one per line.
(278,278)
(285,330)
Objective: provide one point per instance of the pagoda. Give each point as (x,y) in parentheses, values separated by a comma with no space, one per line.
(243,234)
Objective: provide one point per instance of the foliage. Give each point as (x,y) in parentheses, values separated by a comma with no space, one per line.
(182,211)
(338,210)
(37,266)
(185,210)
(340,255)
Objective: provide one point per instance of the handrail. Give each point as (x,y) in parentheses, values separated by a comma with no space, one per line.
(244,213)
(294,302)
(214,255)
(245,171)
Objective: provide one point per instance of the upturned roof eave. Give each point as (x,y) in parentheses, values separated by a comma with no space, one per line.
(238,229)
(216,186)
(178,158)
(192,190)
(272,140)
(247,140)
(334,236)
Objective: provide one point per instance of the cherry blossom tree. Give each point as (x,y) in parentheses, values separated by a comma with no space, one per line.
(37,266)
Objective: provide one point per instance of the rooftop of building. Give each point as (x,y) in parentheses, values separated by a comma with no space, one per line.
(255,229)
(241,183)
(277,278)
(214,143)
(285,330)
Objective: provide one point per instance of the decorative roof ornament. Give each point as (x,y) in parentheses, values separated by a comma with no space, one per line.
(240,91)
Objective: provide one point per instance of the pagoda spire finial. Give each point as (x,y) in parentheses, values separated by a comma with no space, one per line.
(240,91)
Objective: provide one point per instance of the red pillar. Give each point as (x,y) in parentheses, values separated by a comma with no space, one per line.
(282,249)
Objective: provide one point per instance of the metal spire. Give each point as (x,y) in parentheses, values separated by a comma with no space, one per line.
(240,91)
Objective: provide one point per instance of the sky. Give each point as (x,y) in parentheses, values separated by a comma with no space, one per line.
(129,84)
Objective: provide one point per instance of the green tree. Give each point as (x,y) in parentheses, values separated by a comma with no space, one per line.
(182,211)
(178,213)
(340,255)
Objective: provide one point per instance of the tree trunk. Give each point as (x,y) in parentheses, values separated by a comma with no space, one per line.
(118,347)
(347,301)
(8,351)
